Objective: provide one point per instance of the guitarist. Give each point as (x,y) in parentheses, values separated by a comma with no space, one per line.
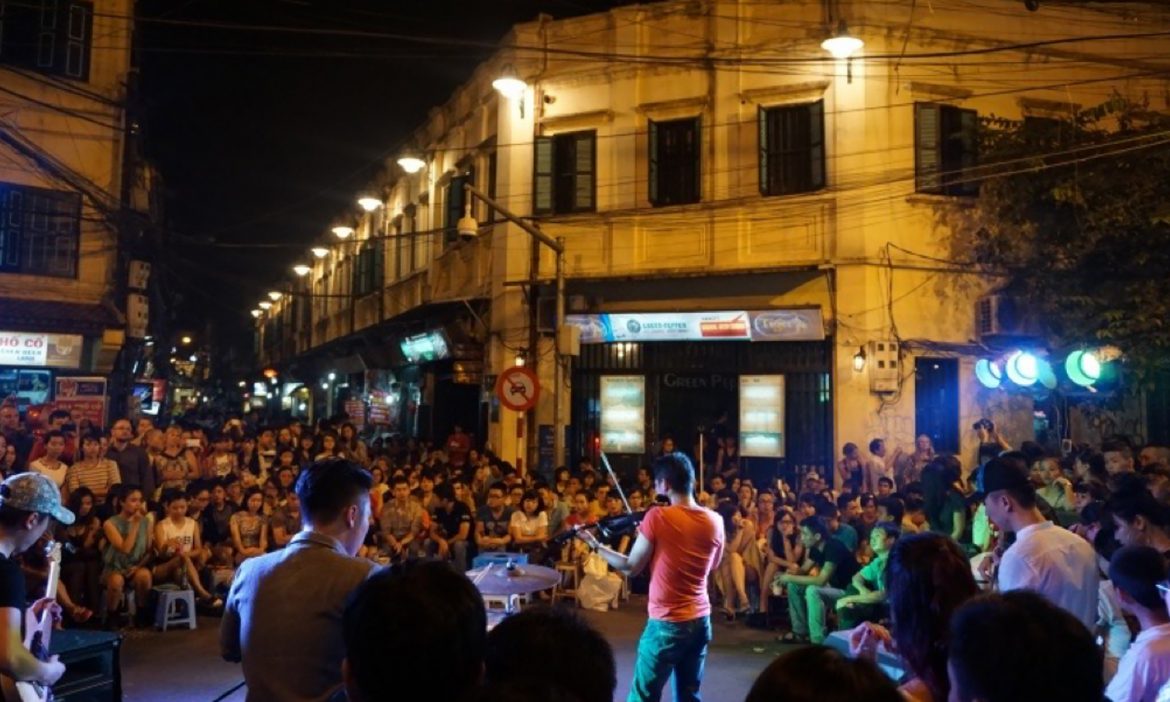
(29,502)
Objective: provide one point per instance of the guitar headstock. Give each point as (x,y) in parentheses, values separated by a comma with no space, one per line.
(53,551)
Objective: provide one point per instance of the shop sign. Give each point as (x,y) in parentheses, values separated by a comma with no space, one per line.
(49,350)
(356,410)
(518,389)
(623,414)
(422,348)
(85,395)
(761,416)
(730,325)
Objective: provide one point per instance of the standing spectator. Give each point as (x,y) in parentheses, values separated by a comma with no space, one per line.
(92,471)
(58,421)
(1046,558)
(1139,519)
(415,631)
(249,528)
(878,465)
(15,435)
(457,446)
(991,443)
(828,568)
(946,508)
(50,465)
(172,467)
(1135,572)
(1019,646)
(127,551)
(493,521)
(451,528)
(133,463)
(288,636)
(7,457)
(1118,457)
(1053,487)
(909,469)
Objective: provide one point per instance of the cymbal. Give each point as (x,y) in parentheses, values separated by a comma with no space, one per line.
(497,579)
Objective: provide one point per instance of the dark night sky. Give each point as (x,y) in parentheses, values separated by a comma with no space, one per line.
(263,137)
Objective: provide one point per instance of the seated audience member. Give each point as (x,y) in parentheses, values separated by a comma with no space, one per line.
(450,537)
(783,554)
(529,527)
(838,529)
(127,552)
(415,631)
(285,521)
(81,559)
(493,521)
(176,539)
(828,568)
(885,487)
(249,528)
(1135,572)
(572,655)
(820,674)
(1020,647)
(867,592)
(401,521)
(1139,518)
(582,514)
(92,470)
(555,508)
(927,579)
(1044,557)
(914,516)
(741,560)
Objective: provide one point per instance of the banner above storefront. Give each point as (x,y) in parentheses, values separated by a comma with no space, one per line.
(732,325)
(48,350)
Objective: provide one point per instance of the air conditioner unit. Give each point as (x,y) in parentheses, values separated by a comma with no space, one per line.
(885,366)
(1000,317)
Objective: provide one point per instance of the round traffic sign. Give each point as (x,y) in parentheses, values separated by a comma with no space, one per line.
(518,389)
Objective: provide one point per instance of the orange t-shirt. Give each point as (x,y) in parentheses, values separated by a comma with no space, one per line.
(688,545)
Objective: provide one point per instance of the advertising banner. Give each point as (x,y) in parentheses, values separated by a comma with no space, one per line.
(623,414)
(761,416)
(84,395)
(730,325)
(49,350)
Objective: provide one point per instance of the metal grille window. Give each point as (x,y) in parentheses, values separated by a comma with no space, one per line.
(674,162)
(792,149)
(51,36)
(40,231)
(945,149)
(564,173)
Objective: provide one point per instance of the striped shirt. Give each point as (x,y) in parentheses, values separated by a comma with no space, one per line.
(99,476)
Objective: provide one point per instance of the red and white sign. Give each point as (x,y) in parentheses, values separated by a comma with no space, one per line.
(85,395)
(356,409)
(518,389)
(52,350)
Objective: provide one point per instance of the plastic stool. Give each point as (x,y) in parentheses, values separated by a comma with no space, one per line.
(175,607)
(570,574)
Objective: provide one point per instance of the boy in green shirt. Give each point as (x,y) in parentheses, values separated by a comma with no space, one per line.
(867,592)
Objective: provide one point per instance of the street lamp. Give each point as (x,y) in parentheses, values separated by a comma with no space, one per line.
(468,229)
(186,340)
(257,313)
(320,251)
(301,270)
(411,162)
(264,305)
(275,295)
(509,84)
(369,203)
(342,231)
(842,45)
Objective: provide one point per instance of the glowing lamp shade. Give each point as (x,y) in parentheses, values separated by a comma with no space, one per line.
(275,295)
(509,83)
(257,313)
(1023,368)
(1083,367)
(369,203)
(988,373)
(265,305)
(319,251)
(411,163)
(343,231)
(842,44)
(301,270)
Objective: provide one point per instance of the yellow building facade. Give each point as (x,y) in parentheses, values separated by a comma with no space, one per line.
(64,68)
(708,165)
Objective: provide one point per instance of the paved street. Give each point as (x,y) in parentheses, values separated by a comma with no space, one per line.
(184,666)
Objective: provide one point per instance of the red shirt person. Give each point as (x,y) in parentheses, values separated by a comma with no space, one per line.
(458,446)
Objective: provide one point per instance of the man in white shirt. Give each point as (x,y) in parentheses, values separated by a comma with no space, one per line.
(1045,558)
(879,465)
(1135,572)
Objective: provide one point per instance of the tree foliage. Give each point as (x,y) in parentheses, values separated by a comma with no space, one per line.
(1074,216)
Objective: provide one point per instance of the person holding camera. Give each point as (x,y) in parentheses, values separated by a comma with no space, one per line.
(991,444)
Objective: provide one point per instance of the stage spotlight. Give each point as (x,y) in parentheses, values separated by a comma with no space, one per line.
(988,372)
(1083,367)
(1023,368)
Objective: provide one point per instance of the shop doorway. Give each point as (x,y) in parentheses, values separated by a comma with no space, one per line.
(690,403)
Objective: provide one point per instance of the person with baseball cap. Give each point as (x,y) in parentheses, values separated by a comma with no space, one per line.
(1045,558)
(29,502)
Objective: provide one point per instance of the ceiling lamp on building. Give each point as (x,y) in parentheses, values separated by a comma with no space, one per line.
(342,231)
(319,251)
(988,373)
(509,84)
(264,305)
(275,295)
(1083,367)
(369,203)
(301,270)
(411,162)
(842,45)
(257,313)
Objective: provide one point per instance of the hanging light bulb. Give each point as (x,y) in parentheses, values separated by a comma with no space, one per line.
(859,360)
(842,44)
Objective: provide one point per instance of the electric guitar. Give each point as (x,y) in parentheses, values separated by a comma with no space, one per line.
(37,631)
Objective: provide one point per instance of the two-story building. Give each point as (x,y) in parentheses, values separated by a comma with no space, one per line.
(752,231)
(64,67)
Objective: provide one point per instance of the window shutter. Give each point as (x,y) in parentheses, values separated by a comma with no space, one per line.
(542,176)
(816,140)
(78,38)
(653,162)
(47,37)
(927,151)
(584,195)
(764,119)
(969,134)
